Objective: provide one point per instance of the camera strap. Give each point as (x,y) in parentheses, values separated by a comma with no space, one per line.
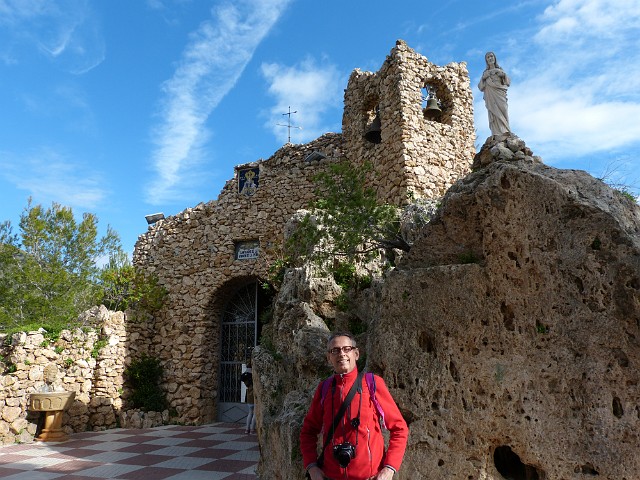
(357,385)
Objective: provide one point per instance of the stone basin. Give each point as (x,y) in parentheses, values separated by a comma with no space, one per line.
(52,404)
(50,401)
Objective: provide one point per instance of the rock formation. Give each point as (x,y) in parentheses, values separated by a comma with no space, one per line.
(509,335)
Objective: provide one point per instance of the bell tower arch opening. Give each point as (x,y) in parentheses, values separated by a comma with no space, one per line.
(239,333)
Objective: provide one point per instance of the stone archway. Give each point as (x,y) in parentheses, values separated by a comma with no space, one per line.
(239,334)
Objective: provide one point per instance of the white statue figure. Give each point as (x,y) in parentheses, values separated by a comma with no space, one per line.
(493,84)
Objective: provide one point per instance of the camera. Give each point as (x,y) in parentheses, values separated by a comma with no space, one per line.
(344,453)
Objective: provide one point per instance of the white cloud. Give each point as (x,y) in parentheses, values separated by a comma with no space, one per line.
(575,20)
(14,12)
(66,31)
(211,64)
(575,91)
(48,176)
(572,121)
(310,90)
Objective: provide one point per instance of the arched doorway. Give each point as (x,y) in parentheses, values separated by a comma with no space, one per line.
(239,333)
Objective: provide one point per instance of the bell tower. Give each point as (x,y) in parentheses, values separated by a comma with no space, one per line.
(413,121)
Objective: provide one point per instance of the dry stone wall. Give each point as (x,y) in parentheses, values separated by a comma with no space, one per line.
(90,362)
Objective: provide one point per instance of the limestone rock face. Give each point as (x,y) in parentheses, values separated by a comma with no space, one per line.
(509,335)
(287,366)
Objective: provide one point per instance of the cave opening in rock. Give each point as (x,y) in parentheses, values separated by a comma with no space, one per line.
(510,466)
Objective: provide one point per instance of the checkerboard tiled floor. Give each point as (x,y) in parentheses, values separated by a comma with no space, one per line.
(211,452)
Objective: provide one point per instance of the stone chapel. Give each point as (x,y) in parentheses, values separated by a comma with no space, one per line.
(212,258)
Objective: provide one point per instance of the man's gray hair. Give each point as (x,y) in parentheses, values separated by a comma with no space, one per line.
(342,334)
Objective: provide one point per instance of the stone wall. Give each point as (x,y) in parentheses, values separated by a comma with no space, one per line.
(94,373)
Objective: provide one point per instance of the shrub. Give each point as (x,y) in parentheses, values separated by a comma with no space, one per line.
(144,376)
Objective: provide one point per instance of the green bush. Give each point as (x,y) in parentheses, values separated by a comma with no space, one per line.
(144,376)
(344,274)
(127,287)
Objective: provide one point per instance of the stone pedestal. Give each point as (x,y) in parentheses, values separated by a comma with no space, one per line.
(53,404)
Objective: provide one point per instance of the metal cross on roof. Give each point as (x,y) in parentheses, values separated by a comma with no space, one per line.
(288,125)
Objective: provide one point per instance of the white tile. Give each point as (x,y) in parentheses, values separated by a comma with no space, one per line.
(107,446)
(31,452)
(109,471)
(183,463)
(109,457)
(249,470)
(175,451)
(108,436)
(239,446)
(199,475)
(37,462)
(168,441)
(246,456)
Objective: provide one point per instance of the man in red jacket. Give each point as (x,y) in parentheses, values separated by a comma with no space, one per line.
(357,440)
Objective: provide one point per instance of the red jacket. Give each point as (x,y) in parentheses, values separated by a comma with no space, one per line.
(370,455)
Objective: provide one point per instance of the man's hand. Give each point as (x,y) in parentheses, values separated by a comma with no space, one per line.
(316,473)
(384,474)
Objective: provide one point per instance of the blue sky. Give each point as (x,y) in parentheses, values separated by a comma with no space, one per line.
(124,108)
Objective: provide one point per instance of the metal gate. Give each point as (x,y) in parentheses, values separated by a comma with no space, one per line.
(238,335)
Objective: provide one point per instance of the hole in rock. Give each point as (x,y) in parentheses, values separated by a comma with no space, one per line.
(454,372)
(508,316)
(618,411)
(586,469)
(510,466)
(621,357)
(425,342)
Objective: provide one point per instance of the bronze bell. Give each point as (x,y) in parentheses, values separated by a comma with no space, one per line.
(432,110)
(373,132)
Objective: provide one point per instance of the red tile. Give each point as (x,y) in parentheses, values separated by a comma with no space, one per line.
(225,466)
(151,473)
(13,457)
(5,472)
(140,448)
(71,466)
(146,460)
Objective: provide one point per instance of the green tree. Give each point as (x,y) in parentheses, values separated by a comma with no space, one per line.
(127,287)
(346,227)
(346,223)
(49,271)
